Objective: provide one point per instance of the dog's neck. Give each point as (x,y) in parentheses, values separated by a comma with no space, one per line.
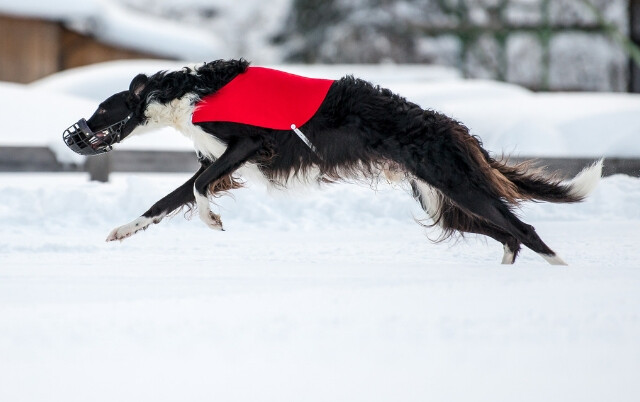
(176,114)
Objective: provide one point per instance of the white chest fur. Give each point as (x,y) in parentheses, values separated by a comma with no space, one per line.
(177,114)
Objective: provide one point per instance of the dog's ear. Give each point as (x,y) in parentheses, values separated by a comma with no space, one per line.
(137,85)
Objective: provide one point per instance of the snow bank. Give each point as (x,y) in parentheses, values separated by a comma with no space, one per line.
(245,28)
(349,205)
(38,118)
(550,124)
(98,81)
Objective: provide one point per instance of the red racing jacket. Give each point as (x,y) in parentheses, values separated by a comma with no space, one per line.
(266,98)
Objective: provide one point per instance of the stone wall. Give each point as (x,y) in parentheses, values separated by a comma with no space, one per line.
(541,44)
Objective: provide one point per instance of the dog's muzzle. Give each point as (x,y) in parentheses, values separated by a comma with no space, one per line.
(80,139)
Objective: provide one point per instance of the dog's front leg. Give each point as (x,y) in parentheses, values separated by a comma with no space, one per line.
(237,153)
(174,200)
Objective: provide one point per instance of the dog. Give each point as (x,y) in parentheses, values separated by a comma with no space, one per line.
(283,128)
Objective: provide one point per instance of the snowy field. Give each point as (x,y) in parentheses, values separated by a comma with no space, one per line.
(331,295)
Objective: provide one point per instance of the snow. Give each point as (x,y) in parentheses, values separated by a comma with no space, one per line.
(111,23)
(58,10)
(245,28)
(333,294)
(38,118)
(509,118)
(99,81)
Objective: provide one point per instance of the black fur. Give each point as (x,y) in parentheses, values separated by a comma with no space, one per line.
(359,130)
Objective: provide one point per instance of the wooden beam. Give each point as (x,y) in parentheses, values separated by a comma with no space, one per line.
(41,159)
(33,159)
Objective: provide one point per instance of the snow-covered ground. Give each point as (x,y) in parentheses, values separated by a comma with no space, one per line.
(329,295)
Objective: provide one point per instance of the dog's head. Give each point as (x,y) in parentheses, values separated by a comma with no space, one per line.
(119,115)
(111,123)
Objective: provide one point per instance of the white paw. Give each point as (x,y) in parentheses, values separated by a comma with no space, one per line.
(128,230)
(210,219)
(204,211)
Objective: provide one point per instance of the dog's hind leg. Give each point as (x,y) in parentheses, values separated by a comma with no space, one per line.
(468,196)
(451,218)
(177,198)
(442,153)
(240,150)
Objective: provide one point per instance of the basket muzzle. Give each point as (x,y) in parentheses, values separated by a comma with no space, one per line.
(82,140)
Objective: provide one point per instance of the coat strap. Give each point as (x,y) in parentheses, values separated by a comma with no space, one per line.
(305,140)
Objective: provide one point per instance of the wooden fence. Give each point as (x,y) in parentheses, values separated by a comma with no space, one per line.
(41,159)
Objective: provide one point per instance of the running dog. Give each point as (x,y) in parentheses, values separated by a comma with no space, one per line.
(283,127)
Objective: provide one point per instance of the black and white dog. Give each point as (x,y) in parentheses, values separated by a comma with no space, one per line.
(284,128)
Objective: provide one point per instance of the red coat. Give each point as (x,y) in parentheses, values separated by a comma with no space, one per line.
(264,97)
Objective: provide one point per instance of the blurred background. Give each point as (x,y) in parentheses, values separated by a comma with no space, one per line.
(536,77)
(540,44)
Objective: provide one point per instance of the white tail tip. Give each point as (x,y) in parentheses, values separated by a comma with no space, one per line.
(587,180)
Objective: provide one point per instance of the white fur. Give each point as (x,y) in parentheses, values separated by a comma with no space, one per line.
(587,180)
(131,228)
(553,259)
(177,114)
(429,199)
(508,256)
(204,211)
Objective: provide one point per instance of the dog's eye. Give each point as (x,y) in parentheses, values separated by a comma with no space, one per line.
(102,110)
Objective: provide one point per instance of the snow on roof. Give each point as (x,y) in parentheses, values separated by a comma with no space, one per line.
(116,25)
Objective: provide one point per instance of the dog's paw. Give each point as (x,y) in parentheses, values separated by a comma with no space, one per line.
(212,220)
(204,211)
(128,230)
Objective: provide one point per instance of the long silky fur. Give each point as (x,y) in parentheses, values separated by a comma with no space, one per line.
(534,183)
(361,131)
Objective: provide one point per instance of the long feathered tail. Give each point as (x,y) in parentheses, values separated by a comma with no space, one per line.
(471,192)
(534,184)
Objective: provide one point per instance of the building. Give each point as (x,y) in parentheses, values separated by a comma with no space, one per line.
(41,38)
